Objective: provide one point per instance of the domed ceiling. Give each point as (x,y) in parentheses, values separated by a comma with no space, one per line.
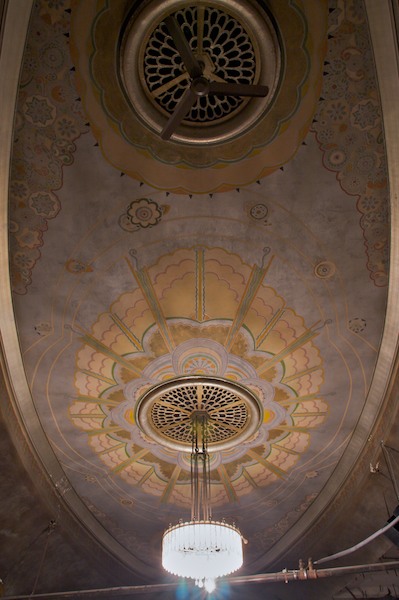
(249,249)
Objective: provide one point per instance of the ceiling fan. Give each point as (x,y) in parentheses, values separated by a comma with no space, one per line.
(199,85)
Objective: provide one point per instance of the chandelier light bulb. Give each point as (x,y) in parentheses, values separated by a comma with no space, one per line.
(209,585)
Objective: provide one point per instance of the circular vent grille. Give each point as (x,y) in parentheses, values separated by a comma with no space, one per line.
(234,42)
(164,412)
(171,414)
(224,47)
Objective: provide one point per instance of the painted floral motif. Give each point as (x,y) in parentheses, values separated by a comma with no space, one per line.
(28,238)
(77,267)
(44,204)
(39,111)
(357,325)
(48,120)
(337,111)
(279,442)
(348,128)
(259,213)
(19,189)
(365,115)
(52,56)
(127,352)
(141,214)
(24,261)
(67,128)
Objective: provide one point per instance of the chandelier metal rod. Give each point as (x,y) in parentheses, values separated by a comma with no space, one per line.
(200,470)
(201,549)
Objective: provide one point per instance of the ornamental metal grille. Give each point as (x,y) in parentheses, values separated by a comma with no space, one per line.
(171,412)
(220,42)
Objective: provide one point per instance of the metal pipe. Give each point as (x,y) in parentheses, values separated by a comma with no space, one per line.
(390,469)
(305,574)
(284,576)
(105,593)
(360,544)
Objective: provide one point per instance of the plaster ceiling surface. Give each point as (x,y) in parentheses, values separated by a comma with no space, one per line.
(135,261)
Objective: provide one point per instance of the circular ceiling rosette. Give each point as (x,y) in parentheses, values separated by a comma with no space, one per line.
(134,79)
(165,412)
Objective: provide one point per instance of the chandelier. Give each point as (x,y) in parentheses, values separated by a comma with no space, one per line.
(201,549)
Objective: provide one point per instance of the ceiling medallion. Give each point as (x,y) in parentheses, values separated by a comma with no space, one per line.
(165,412)
(132,79)
(192,63)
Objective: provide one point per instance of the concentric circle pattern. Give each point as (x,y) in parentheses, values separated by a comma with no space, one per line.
(172,412)
(165,412)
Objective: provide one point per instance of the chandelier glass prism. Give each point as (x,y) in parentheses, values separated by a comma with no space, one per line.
(201,549)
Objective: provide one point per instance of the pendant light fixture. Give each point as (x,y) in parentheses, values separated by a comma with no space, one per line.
(201,549)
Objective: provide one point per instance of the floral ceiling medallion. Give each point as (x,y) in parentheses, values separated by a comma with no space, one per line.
(138,379)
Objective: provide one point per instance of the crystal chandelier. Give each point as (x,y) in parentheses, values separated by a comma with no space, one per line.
(201,549)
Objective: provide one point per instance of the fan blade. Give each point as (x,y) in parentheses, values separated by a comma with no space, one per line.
(237,89)
(187,101)
(183,47)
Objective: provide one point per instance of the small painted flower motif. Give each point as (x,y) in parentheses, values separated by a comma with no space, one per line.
(19,189)
(29,238)
(39,111)
(337,111)
(335,158)
(259,211)
(23,261)
(369,203)
(66,128)
(365,115)
(44,204)
(142,213)
(77,267)
(357,325)
(52,56)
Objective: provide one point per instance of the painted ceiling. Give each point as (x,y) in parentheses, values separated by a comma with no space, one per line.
(262,261)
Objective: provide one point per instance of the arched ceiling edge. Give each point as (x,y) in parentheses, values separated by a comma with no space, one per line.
(34,448)
(381,28)
(380,407)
